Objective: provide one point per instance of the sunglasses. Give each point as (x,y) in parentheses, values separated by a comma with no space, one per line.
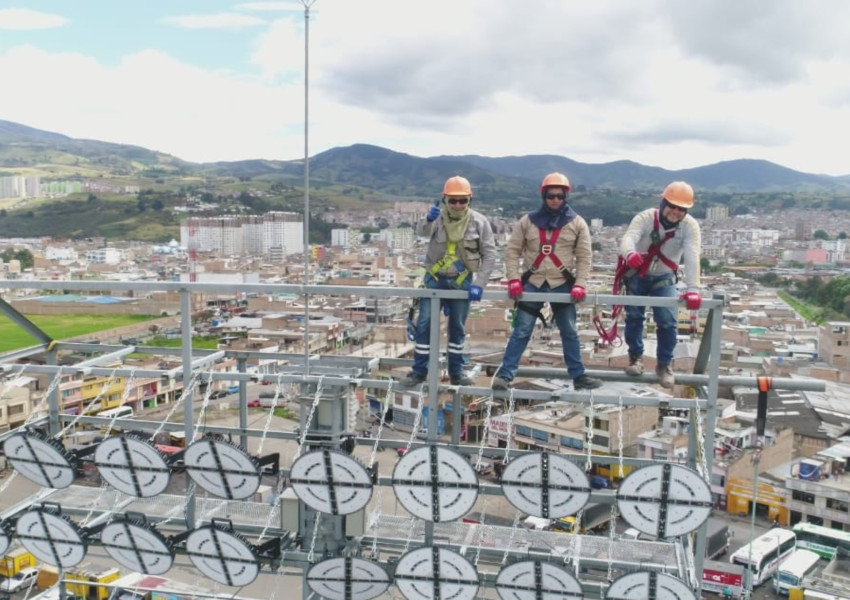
(457,200)
(556,196)
(677,208)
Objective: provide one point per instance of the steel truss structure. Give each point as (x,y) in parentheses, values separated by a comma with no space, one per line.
(322,522)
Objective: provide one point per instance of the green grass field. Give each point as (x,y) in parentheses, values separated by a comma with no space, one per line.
(61,327)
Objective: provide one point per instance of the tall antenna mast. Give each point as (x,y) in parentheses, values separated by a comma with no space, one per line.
(307,5)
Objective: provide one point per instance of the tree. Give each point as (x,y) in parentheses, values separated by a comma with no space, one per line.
(24,256)
(820,234)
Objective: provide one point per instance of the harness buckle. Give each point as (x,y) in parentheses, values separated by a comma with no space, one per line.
(546,249)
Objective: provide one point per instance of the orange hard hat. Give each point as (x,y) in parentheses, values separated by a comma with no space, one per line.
(555,179)
(457,186)
(679,194)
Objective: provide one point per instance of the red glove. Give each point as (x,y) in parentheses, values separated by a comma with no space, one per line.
(692,300)
(634,260)
(515,288)
(578,293)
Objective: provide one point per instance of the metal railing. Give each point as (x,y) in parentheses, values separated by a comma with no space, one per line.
(315,375)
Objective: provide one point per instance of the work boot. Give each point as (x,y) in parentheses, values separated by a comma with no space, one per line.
(586,382)
(500,384)
(635,367)
(461,379)
(665,376)
(413,378)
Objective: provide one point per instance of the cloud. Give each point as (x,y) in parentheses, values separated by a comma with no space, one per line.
(656,81)
(150,99)
(26,19)
(762,43)
(270,6)
(717,132)
(453,63)
(214,21)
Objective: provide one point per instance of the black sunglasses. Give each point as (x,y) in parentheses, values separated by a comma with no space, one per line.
(554,196)
(457,200)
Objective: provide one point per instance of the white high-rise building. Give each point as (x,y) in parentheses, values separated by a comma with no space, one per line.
(241,235)
(339,237)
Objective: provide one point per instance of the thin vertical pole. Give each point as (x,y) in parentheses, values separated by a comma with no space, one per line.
(188,393)
(748,588)
(306,244)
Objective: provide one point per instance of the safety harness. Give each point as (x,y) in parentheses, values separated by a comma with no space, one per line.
(547,249)
(624,272)
(654,250)
(451,263)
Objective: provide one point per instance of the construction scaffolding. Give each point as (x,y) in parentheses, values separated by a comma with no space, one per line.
(323,516)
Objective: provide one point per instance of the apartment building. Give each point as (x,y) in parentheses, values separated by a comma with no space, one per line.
(239,235)
(834,343)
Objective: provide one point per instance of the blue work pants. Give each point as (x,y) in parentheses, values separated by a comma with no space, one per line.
(658,286)
(458,311)
(564,315)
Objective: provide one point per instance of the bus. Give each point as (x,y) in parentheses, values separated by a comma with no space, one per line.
(762,556)
(792,570)
(822,540)
(119,412)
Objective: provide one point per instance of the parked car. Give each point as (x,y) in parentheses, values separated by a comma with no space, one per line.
(218,394)
(598,482)
(255,403)
(20,580)
(267,394)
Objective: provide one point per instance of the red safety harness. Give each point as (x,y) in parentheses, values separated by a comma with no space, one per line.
(611,336)
(547,248)
(654,250)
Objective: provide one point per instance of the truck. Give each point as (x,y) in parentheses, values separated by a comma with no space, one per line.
(593,517)
(723,578)
(716,538)
(15,560)
(83,579)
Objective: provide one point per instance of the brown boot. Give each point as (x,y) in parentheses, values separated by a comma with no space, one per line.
(665,376)
(635,368)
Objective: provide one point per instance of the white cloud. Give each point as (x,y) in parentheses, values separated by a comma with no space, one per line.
(214,21)
(270,6)
(646,81)
(26,19)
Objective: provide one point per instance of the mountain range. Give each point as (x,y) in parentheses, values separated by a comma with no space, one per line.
(360,177)
(367,166)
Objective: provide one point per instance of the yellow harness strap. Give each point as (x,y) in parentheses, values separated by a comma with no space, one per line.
(450,262)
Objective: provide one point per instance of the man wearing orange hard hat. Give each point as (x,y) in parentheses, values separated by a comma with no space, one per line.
(460,256)
(549,251)
(655,243)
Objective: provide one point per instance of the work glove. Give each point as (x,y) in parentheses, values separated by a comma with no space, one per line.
(634,260)
(475,292)
(514,288)
(692,300)
(433,213)
(578,293)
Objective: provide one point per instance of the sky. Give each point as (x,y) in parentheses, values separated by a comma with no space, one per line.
(668,83)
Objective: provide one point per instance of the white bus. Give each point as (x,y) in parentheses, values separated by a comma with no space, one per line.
(792,570)
(823,540)
(762,556)
(119,412)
